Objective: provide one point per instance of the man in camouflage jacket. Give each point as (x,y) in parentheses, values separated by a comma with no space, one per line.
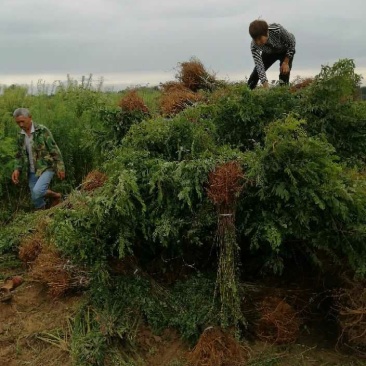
(39,153)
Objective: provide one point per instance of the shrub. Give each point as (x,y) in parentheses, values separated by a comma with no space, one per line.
(302,192)
(329,107)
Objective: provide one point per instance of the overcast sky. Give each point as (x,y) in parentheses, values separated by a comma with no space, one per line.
(141,42)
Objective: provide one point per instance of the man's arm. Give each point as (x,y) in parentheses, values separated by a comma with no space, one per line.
(257,57)
(15,176)
(289,41)
(55,153)
(285,68)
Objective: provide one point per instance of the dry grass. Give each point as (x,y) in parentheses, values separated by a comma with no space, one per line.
(225,183)
(30,247)
(132,102)
(300,83)
(57,273)
(194,76)
(176,97)
(278,323)
(172,86)
(93,180)
(216,348)
(350,304)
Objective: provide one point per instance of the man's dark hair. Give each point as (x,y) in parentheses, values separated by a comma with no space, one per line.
(258,28)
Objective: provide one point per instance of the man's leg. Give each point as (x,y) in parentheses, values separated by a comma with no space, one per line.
(285,78)
(40,188)
(56,197)
(268,61)
(32,180)
(53,194)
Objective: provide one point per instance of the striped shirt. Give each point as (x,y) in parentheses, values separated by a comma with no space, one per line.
(279,41)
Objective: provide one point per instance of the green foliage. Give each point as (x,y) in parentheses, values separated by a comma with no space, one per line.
(241,115)
(334,84)
(74,233)
(237,117)
(21,225)
(144,199)
(329,108)
(10,196)
(69,113)
(107,131)
(68,110)
(88,344)
(7,151)
(6,169)
(171,181)
(175,139)
(101,225)
(305,194)
(7,263)
(198,307)
(13,97)
(188,306)
(301,192)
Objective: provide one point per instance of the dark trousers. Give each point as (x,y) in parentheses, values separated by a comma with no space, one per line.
(268,61)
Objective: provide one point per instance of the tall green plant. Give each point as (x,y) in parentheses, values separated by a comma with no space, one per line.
(302,193)
(331,108)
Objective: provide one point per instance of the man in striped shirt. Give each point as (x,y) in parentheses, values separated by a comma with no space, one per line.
(270,43)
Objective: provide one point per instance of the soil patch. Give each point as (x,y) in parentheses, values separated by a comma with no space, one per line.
(24,318)
(32,313)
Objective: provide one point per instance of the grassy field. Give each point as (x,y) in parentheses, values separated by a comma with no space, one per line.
(202,224)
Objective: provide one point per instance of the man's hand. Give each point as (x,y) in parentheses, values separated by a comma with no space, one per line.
(285,68)
(265,85)
(15,176)
(61,175)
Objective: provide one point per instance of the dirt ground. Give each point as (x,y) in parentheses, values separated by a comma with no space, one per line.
(31,315)
(24,319)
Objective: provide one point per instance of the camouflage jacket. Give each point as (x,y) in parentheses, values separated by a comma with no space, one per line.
(46,153)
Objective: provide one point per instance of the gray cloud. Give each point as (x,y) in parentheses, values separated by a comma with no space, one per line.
(121,36)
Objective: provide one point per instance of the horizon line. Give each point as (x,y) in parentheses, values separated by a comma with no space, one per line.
(143,78)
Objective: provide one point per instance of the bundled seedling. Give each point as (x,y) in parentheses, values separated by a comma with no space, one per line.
(32,243)
(279,323)
(93,180)
(59,274)
(225,184)
(216,348)
(46,263)
(132,102)
(350,304)
(176,97)
(30,248)
(193,75)
(301,83)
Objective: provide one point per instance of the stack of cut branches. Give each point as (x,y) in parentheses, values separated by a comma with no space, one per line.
(350,304)
(216,348)
(225,184)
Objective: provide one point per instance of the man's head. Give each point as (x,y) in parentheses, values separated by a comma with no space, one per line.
(23,119)
(258,30)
